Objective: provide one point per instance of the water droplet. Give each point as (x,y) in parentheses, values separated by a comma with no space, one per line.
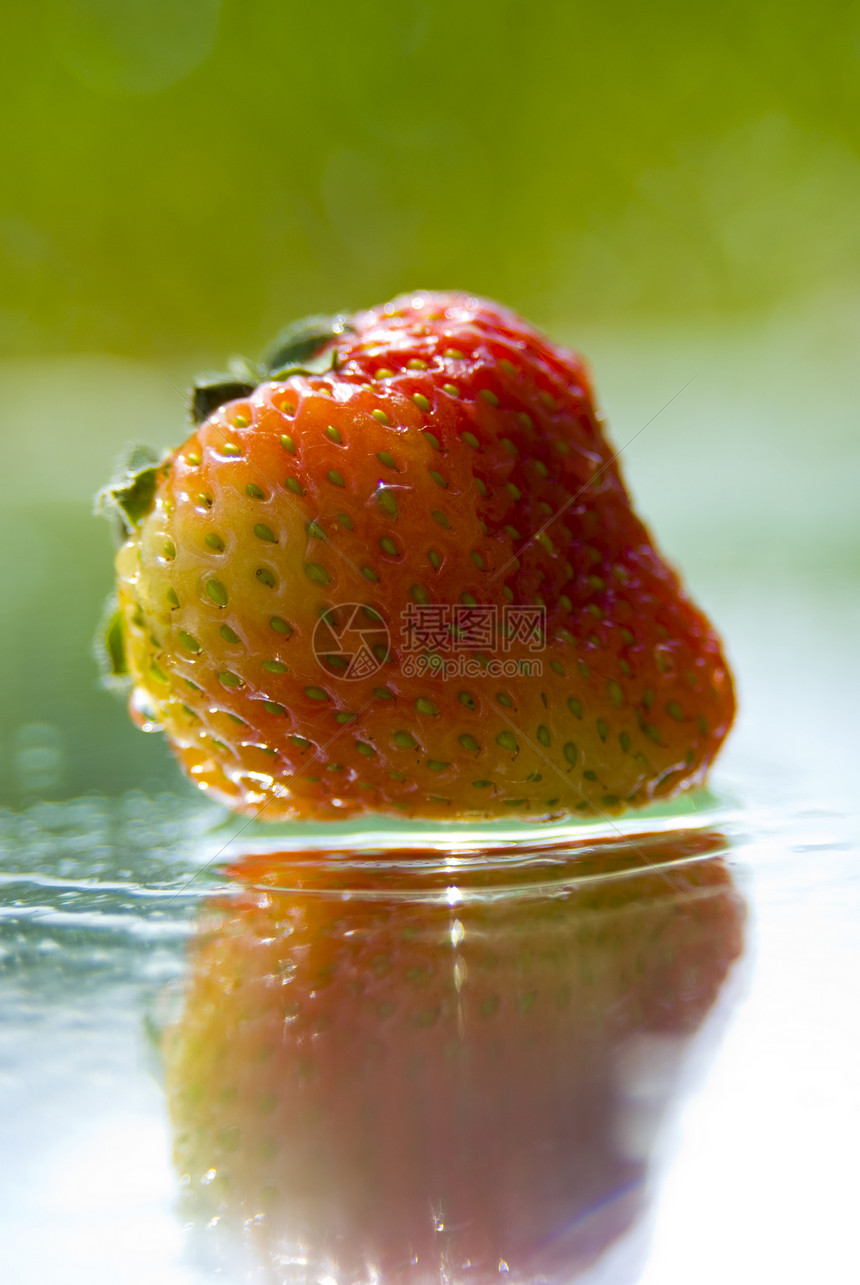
(142,711)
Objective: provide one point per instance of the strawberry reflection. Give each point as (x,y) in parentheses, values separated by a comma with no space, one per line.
(442,1069)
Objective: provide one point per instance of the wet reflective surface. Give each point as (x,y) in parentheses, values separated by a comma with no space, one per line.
(576,1062)
(584,1065)
(443,1072)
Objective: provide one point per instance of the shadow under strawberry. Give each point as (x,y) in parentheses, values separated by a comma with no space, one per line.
(446,1068)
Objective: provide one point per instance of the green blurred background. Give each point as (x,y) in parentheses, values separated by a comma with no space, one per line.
(674,190)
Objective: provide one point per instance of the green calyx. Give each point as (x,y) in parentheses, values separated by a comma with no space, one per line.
(213,390)
(304,344)
(304,348)
(109,647)
(129,496)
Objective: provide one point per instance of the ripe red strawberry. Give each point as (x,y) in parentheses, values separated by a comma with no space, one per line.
(445,461)
(389,1086)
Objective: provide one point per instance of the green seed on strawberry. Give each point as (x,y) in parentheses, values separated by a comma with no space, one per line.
(435,455)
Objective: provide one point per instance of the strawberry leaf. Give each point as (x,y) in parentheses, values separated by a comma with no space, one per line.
(129,496)
(303,348)
(211,391)
(109,647)
(296,347)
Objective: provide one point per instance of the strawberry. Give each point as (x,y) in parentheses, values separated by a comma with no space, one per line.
(406,577)
(385,1084)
